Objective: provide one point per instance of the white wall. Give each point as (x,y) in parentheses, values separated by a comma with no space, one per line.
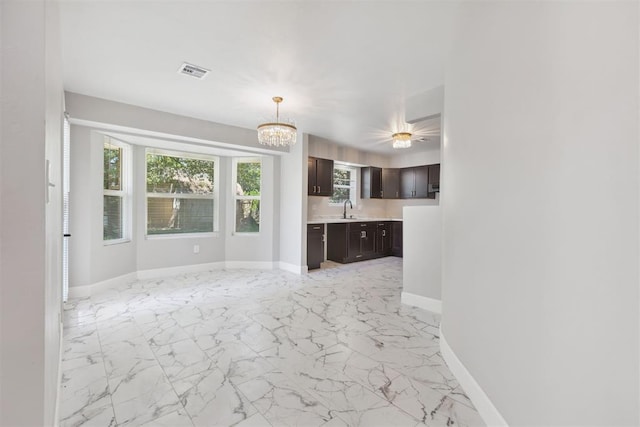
(89,110)
(422,241)
(293,206)
(326,149)
(540,209)
(91,261)
(30,237)
(175,251)
(424,105)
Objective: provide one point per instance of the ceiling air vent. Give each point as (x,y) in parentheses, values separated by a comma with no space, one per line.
(193,70)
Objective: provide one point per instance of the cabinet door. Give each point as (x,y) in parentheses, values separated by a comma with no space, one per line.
(368,239)
(311,165)
(315,245)
(396,236)
(390,183)
(354,236)
(337,245)
(407,183)
(434,180)
(376,183)
(324,177)
(422,182)
(371,179)
(383,239)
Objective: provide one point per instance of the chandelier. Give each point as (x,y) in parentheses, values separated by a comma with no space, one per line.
(401,140)
(277,134)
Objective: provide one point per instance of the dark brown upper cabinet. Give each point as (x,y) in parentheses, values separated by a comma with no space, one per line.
(414,182)
(371,183)
(320,177)
(390,183)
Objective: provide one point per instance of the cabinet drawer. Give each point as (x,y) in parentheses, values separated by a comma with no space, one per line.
(315,228)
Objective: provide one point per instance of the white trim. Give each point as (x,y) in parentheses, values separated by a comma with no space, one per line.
(115,242)
(56,421)
(182,269)
(94,288)
(426,303)
(253,265)
(489,413)
(168,236)
(292,268)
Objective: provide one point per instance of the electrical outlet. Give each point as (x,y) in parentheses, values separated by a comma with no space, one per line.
(196,249)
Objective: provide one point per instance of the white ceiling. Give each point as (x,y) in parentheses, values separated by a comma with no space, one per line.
(343,68)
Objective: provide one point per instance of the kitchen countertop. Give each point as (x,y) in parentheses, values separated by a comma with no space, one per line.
(340,220)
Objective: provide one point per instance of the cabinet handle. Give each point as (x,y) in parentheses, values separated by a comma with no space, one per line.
(397,193)
(384,233)
(322,238)
(363,234)
(316,228)
(318,188)
(381,193)
(363,225)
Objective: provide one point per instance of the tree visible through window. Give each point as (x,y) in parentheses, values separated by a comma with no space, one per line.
(248,173)
(114,198)
(180,194)
(344,184)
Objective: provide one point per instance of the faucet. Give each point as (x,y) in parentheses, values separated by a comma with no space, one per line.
(344,213)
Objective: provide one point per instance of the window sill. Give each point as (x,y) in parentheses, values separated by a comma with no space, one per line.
(257,234)
(115,242)
(181,236)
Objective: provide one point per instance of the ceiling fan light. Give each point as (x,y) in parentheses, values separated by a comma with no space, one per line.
(401,140)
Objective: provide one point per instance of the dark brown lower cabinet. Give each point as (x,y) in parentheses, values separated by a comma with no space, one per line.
(383,238)
(396,238)
(315,245)
(358,241)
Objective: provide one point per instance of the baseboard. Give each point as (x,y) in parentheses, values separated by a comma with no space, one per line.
(56,410)
(156,273)
(88,290)
(292,268)
(426,303)
(92,289)
(252,265)
(478,397)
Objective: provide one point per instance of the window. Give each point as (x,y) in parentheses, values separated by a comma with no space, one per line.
(115,198)
(344,184)
(247,180)
(181,193)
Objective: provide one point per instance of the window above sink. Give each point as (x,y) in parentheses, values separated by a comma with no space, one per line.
(344,184)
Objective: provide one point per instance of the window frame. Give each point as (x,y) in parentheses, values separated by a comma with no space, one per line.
(214,197)
(125,193)
(236,197)
(353,187)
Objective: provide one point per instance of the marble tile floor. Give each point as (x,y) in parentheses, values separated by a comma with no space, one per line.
(258,348)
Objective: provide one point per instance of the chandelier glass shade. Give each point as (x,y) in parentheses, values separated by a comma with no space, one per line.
(277,134)
(401,140)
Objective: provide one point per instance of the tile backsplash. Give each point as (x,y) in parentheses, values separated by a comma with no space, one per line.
(319,208)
